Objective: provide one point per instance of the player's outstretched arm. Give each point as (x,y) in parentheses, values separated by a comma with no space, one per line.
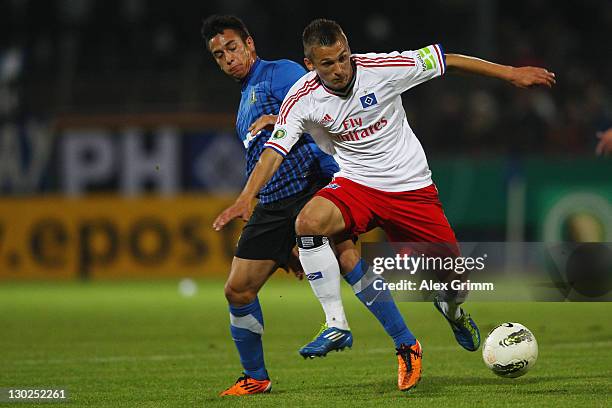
(522,77)
(604,147)
(268,163)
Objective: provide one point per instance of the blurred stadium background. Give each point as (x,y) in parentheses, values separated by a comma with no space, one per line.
(116,128)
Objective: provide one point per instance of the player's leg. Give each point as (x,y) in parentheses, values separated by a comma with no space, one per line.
(323,273)
(379,301)
(265,242)
(246,278)
(418,217)
(346,209)
(347,253)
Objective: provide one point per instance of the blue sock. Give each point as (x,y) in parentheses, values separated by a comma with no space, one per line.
(380,303)
(246,325)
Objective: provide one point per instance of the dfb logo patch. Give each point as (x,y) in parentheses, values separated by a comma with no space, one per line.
(368,100)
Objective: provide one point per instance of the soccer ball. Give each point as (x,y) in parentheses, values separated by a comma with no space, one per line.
(510,350)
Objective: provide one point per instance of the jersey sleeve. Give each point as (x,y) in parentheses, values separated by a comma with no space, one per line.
(292,118)
(407,69)
(285,74)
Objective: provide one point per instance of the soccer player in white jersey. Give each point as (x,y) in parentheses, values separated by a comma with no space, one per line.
(351,104)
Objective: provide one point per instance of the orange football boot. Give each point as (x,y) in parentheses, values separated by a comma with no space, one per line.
(246,385)
(409,360)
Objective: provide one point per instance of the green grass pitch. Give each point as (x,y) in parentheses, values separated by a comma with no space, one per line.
(140,344)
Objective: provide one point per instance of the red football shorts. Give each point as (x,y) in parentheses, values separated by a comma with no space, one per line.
(408,216)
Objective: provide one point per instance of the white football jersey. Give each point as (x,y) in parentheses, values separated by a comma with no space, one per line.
(366,131)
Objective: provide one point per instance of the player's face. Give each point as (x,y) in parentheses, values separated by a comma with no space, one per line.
(333,64)
(233,55)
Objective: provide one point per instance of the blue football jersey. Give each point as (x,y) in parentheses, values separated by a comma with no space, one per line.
(263,91)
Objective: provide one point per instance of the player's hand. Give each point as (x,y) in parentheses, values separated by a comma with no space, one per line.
(604,147)
(294,265)
(264,122)
(527,77)
(241,208)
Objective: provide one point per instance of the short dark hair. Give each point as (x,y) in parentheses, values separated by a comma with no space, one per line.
(215,24)
(321,32)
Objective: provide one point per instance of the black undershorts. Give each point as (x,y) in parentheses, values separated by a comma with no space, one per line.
(270,232)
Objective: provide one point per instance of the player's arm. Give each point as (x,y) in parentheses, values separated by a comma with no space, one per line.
(289,128)
(604,147)
(522,77)
(263,122)
(285,74)
(268,163)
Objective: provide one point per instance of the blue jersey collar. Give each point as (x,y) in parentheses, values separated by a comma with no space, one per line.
(254,67)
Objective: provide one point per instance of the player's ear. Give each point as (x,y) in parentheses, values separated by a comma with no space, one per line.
(250,43)
(309,64)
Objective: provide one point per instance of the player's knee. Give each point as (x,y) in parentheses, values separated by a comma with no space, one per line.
(238,296)
(309,223)
(230,293)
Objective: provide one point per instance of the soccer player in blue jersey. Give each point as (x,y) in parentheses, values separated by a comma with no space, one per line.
(268,238)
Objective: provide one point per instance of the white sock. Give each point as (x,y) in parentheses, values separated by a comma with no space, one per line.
(323,273)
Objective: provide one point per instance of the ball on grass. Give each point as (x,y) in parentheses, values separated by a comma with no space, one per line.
(187,287)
